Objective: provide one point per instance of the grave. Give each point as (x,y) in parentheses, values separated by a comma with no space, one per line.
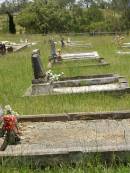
(76,44)
(81,56)
(123,53)
(90,56)
(54,139)
(126,45)
(14,47)
(78,84)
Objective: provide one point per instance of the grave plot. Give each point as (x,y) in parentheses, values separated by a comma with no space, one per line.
(42,85)
(73,43)
(14,47)
(126,45)
(80,63)
(77,56)
(80,84)
(94,57)
(123,53)
(52,141)
(77,44)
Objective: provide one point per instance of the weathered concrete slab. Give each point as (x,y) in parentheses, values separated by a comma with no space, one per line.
(117,115)
(78,44)
(85,81)
(59,138)
(17,46)
(88,89)
(81,84)
(126,45)
(77,56)
(95,63)
(123,53)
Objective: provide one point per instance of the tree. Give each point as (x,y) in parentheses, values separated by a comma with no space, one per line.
(13,6)
(12,28)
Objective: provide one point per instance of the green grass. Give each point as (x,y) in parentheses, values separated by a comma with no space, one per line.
(16,76)
(65,169)
(92,166)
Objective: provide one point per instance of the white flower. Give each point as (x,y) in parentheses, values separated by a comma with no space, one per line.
(53,77)
(8,108)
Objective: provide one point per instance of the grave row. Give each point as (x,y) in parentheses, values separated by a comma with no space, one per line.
(41,85)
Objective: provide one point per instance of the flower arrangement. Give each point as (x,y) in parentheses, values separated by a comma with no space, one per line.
(8,110)
(52,76)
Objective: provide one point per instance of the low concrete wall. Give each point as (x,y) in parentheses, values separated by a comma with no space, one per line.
(75,116)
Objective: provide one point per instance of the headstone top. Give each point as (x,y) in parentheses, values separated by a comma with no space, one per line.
(36,51)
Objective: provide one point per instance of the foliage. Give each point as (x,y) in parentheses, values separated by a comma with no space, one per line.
(93,14)
(39,17)
(12,6)
(43,16)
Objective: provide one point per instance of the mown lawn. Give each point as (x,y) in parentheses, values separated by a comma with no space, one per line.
(16,76)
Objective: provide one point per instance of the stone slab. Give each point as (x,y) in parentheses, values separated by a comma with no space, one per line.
(77,56)
(116,115)
(86,82)
(123,53)
(88,89)
(81,84)
(42,138)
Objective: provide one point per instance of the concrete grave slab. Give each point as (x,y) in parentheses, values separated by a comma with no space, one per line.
(55,142)
(80,84)
(76,56)
(94,56)
(17,46)
(123,53)
(126,45)
(85,56)
(78,44)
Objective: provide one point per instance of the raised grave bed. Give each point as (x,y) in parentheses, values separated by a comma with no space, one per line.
(94,56)
(123,53)
(80,84)
(54,142)
(81,56)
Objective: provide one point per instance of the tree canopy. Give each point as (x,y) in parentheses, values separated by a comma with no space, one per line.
(43,16)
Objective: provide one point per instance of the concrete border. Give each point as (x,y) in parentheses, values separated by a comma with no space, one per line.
(75,116)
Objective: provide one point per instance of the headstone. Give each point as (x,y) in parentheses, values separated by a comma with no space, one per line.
(39,72)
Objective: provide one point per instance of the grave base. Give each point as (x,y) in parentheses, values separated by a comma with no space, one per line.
(81,84)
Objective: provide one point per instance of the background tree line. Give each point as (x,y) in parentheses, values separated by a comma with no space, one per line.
(43,16)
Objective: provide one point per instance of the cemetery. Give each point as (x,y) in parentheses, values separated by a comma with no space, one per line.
(65,93)
(83,134)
